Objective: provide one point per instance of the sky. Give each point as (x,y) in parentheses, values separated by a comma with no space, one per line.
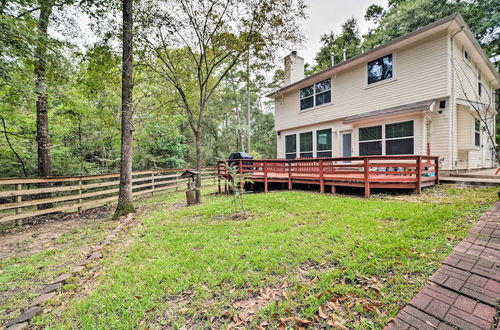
(329,15)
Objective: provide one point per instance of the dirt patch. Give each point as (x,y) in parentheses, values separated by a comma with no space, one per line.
(37,234)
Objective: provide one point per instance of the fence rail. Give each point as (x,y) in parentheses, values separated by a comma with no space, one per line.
(386,172)
(22,198)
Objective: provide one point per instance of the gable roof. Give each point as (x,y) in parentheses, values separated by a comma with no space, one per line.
(437,26)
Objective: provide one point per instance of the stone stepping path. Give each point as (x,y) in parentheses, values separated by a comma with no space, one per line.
(51,289)
(464,293)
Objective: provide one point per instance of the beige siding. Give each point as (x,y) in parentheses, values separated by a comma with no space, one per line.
(420,74)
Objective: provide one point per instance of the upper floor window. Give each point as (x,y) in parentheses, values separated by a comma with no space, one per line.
(380,69)
(317,94)
(291,146)
(477,133)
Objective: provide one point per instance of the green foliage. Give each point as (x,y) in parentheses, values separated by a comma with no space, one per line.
(349,40)
(404,16)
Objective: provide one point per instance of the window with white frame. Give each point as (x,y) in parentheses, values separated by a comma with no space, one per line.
(387,139)
(315,95)
(306,145)
(399,139)
(370,140)
(477,132)
(380,69)
(291,146)
(324,143)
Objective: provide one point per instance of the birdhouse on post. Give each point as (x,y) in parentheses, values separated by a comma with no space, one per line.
(193,194)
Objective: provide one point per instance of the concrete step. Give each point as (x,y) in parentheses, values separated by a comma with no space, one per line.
(480,176)
(468,181)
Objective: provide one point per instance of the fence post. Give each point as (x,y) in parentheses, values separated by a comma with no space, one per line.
(419,174)
(19,199)
(321,177)
(436,169)
(218,178)
(80,200)
(176,181)
(367,176)
(152,183)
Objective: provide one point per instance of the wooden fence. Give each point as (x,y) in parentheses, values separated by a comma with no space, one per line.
(28,197)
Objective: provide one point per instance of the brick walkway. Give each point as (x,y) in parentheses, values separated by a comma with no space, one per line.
(464,292)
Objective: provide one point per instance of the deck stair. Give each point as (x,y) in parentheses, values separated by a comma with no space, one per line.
(485,177)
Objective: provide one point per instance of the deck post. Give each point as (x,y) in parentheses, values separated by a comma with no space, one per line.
(419,174)
(333,189)
(367,176)
(241,175)
(436,169)
(321,177)
(264,168)
(289,175)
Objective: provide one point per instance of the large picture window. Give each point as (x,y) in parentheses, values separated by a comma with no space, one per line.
(477,133)
(380,69)
(370,141)
(399,138)
(315,95)
(291,146)
(324,143)
(388,139)
(306,145)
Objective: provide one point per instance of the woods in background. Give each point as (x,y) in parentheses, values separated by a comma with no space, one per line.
(199,78)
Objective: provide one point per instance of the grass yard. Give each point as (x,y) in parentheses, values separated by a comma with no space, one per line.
(300,259)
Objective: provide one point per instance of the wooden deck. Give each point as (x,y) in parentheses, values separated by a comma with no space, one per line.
(386,172)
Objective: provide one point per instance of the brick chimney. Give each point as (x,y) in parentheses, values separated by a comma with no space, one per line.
(294,68)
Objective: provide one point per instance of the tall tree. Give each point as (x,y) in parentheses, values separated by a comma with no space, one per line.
(334,45)
(196,43)
(42,116)
(125,205)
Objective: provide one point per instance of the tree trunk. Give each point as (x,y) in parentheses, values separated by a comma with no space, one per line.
(125,205)
(42,116)
(197,142)
(249,107)
(240,130)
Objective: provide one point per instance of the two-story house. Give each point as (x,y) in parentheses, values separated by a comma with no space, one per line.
(430,92)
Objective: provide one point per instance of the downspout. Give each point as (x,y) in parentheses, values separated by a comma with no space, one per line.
(453,101)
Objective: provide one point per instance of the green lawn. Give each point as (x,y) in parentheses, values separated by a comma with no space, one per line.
(299,257)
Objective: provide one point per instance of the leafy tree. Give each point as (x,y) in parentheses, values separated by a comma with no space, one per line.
(196,43)
(334,45)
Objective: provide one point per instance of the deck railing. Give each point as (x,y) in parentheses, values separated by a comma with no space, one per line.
(22,197)
(390,172)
